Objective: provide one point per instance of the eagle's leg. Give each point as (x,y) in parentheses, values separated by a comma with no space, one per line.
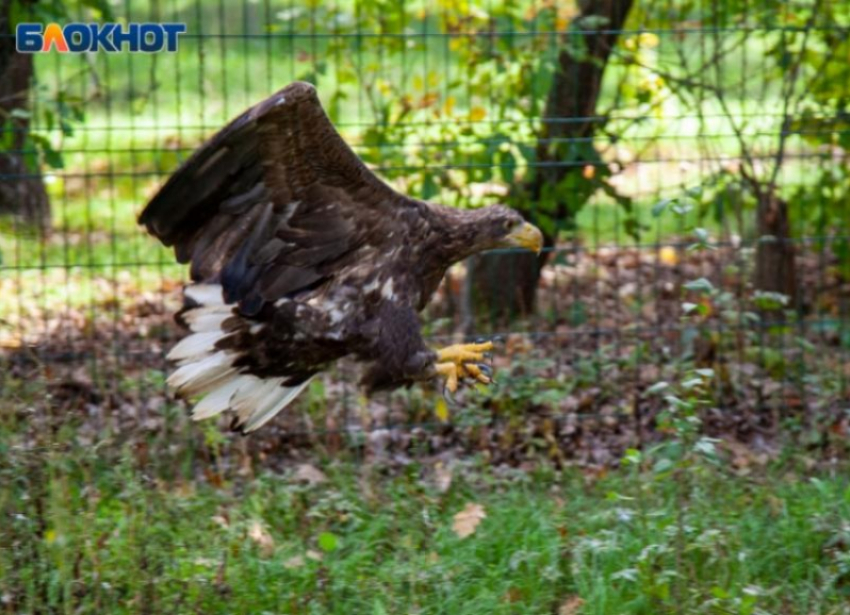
(461,361)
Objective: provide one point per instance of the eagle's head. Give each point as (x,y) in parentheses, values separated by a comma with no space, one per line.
(502,227)
(460,233)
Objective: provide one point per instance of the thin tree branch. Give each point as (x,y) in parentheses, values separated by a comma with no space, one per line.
(787,108)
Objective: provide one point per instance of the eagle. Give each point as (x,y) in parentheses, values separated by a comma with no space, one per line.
(299,256)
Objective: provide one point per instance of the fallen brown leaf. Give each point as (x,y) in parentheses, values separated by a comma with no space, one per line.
(310,474)
(261,538)
(296,561)
(466,521)
(442,476)
(570,606)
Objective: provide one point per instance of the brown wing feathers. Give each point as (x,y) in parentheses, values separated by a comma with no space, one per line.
(274,205)
(268,204)
(222,168)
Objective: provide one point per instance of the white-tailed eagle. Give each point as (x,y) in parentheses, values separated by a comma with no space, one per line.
(300,256)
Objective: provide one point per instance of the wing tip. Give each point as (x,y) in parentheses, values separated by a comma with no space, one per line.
(293,94)
(299,90)
(148,219)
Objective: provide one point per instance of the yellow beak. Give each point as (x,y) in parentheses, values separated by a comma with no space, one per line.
(526,236)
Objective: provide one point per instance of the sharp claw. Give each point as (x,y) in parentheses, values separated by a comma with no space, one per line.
(486,370)
(475,371)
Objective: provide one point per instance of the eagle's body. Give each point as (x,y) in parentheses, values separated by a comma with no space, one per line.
(300,256)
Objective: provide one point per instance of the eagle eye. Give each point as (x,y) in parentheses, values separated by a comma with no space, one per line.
(508,225)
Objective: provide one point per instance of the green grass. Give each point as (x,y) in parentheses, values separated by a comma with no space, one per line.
(83,534)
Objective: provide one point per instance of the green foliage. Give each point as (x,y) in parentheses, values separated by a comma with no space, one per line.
(802,50)
(459,124)
(56,111)
(96,537)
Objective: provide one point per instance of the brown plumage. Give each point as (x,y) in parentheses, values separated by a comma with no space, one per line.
(299,256)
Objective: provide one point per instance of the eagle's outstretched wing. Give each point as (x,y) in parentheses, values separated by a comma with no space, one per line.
(301,256)
(273,204)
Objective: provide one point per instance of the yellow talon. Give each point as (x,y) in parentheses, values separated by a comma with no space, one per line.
(449,371)
(459,361)
(461,353)
(474,371)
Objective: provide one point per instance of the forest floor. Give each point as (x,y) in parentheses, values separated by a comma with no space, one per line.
(573,385)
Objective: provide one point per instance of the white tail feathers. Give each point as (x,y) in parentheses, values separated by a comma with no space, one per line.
(255,400)
(197,376)
(273,402)
(195,345)
(205,294)
(218,400)
(203,369)
(204,319)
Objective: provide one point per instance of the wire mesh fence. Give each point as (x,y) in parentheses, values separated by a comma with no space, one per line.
(686,162)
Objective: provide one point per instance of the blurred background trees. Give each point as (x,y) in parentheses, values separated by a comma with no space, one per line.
(22,191)
(736,110)
(566,168)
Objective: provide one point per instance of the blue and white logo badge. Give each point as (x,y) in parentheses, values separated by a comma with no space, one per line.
(108,37)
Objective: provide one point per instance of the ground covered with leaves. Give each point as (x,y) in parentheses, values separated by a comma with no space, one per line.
(573,385)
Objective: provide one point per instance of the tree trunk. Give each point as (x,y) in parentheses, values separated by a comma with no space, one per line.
(504,285)
(22,190)
(775,270)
